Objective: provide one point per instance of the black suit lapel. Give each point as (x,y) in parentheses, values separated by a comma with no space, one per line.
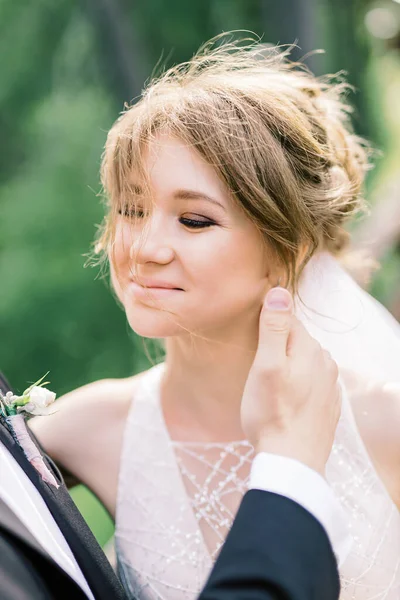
(90,557)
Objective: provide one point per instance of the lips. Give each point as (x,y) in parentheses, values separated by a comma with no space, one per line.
(153,284)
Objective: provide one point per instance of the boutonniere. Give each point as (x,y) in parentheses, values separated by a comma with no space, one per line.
(35,400)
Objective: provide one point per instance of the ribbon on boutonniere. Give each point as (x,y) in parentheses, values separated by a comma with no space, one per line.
(35,400)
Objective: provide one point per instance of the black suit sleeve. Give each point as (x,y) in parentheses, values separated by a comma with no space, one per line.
(26,575)
(276,550)
(18,577)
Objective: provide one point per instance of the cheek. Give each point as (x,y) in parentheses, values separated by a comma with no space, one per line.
(119,259)
(234,270)
(119,255)
(116,285)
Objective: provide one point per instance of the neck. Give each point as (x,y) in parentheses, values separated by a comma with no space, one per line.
(205,378)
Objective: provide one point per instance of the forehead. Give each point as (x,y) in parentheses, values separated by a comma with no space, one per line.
(169,163)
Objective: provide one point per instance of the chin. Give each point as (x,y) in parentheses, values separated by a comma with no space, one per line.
(153,323)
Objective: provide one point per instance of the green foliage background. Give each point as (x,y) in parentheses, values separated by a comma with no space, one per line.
(63,82)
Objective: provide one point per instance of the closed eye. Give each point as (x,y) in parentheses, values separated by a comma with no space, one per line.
(131,212)
(196,223)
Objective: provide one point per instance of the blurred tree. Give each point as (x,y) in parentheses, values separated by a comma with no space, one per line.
(298,27)
(349,50)
(61,319)
(30,33)
(120,52)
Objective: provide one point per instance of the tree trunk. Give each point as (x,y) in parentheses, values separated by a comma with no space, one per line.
(292,21)
(124,61)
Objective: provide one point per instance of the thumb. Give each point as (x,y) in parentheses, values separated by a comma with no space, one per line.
(275,324)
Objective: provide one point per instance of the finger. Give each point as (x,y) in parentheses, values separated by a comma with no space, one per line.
(307,358)
(302,353)
(300,343)
(275,324)
(327,355)
(331,365)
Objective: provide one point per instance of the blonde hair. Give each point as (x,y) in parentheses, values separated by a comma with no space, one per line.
(279,138)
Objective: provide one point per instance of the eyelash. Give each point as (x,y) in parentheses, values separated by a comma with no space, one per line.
(195,224)
(190,223)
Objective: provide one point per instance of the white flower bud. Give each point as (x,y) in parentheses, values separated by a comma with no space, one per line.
(41,397)
(39,401)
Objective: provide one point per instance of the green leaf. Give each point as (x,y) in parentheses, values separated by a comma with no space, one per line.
(37,383)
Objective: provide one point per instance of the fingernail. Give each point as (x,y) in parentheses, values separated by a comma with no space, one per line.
(278,299)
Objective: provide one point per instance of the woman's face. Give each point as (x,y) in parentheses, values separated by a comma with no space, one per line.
(194,262)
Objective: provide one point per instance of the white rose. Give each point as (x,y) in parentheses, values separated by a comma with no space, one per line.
(41,397)
(39,401)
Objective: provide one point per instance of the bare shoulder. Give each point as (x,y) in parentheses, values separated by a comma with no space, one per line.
(85,409)
(376,407)
(85,433)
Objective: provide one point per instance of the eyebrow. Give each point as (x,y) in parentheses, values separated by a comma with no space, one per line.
(183,194)
(135,189)
(193,195)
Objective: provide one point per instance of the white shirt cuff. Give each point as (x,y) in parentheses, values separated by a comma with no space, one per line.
(294,480)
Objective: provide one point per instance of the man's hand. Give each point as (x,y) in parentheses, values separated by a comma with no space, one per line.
(291,402)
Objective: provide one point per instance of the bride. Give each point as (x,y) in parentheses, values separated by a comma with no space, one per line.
(233,173)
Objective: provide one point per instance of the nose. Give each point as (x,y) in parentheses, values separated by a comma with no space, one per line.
(152,245)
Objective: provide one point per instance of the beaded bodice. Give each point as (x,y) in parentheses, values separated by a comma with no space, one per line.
(176,502)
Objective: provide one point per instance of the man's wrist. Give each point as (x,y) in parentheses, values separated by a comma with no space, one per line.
(292,479)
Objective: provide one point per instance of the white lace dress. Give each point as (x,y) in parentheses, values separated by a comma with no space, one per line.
(176,502)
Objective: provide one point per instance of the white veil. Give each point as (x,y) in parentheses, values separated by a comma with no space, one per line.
(360,333)
(364,338)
